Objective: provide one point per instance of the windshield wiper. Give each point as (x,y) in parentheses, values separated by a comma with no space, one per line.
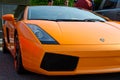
(69,20)
(43,19)
(84,20)
(93,20)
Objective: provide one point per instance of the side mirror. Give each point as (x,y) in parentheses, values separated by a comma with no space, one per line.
(8,17)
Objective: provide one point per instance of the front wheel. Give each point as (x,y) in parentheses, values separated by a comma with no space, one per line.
(18,59)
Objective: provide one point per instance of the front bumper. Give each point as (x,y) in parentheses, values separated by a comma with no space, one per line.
(86,59)
(89,59)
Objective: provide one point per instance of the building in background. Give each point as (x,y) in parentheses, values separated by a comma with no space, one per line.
(9,6)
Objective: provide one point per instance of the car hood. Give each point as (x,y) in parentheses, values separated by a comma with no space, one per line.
(81,32)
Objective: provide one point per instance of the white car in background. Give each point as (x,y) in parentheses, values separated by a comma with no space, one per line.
(110,9)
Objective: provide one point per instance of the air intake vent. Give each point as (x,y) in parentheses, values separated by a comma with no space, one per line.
(58,62)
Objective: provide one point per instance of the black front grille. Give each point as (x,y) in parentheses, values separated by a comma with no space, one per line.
(58,62)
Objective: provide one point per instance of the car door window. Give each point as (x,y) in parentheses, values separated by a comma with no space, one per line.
(110,4)
(19,12)
(20,17)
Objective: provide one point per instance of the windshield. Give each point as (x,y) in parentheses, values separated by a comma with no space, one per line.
(60,13)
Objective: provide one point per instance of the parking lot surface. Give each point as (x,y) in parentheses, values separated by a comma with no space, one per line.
(7,72)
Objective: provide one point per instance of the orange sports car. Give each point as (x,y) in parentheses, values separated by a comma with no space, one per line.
(59,40)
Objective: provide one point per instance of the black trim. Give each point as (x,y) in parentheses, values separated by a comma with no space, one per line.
(49,42)
(7,30)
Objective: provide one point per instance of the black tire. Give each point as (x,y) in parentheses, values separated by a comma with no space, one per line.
(18,59)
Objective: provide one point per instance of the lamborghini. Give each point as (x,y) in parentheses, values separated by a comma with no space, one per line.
(60,40)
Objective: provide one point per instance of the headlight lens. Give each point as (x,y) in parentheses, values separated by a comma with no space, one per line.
(42,35)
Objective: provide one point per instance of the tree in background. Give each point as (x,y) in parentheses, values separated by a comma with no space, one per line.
(60,2)
(45,2)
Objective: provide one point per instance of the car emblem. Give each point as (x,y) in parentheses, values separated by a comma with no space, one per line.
(102,39)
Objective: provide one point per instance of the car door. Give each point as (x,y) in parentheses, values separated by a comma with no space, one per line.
(110,9)
(10,25)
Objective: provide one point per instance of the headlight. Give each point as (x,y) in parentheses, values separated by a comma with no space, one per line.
(42,35)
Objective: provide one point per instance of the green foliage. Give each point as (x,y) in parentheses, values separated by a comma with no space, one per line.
(58,2)
(71,2)
(38,2)
(45,2)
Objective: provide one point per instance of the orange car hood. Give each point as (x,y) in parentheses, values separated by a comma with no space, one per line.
(81,32)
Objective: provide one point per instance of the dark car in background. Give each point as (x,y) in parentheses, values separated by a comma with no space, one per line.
(110,9)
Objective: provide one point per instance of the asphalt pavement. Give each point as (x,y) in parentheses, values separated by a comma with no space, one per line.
(7,72)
